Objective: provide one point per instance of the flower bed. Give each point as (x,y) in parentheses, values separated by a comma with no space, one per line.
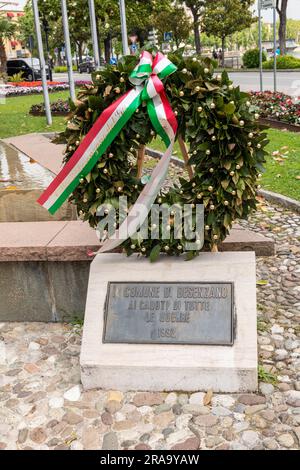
(58,108)
(277,106)
(28,88)
(33,84)
(20,90)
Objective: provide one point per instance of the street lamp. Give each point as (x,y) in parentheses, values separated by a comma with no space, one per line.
(46,28)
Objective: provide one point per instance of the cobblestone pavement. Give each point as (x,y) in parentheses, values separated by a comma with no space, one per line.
(42,405)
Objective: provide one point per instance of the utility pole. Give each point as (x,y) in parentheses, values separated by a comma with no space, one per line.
(275,50)
(260,47)
(124,27)
(94,34)
(42,60)
(46,30)
(64,13)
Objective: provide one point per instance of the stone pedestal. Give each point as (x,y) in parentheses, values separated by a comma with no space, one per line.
(166,367)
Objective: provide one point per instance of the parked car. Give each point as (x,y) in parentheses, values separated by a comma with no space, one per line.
(86,66)
(30,68)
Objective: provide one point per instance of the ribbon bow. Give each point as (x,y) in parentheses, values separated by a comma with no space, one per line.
(148,87)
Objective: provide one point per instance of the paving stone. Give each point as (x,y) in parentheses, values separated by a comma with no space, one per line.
(293,398)
(22,436)
(195,409)
(266,389)
(251,399)
(113,406)
(56,402)
(91,438)
(250,410)
(114,395)
(164,419)
(286,440)
(142,446)
(148,399)
(73,394)
(192,443)
(197,398)
(270,444)
(220,411)
(250,438)
(107,418)
(72,418)
(38,435)
(110,441)
(171,398)
(206,420)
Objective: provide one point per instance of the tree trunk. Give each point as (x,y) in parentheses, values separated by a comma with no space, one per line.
(223,52)
(3,58)
(197,33)
(282,25)
(80,45)
(107,49)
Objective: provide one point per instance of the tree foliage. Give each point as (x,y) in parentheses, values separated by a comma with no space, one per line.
(196,9)
(7,30)
(222,18)
(174,20)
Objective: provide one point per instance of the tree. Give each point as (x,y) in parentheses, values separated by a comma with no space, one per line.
(140,15)
(7,30)
(174,20)
(196,8)
(281,7)
(222,18)
(293,29)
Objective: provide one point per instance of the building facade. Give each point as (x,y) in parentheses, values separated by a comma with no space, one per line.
(13,11)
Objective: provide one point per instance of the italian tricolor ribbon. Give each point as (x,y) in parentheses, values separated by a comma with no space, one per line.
(146,77)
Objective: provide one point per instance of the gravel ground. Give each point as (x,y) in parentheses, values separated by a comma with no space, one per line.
(42,405)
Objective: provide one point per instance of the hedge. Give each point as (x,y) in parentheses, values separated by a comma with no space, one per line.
(251,58)
(283,62)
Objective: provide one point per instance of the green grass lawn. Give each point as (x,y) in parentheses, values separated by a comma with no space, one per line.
(283,176)
(15,120)
(280,176)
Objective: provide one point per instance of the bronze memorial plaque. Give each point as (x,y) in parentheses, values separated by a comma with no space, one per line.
(169,313)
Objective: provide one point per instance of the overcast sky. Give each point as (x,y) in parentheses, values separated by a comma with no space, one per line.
(293,9)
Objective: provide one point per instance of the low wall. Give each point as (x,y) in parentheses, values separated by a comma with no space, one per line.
(44,267)
(43,290)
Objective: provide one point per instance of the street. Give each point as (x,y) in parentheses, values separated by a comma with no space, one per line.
(287,82)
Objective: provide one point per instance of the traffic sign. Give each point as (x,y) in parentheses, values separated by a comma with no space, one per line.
(266,4)
(168,36)
(152,37)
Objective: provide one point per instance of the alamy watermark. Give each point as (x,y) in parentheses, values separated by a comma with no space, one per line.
(163,222)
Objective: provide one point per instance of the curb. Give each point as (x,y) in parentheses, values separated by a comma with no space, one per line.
(284,201)
(280,199)
(275,124)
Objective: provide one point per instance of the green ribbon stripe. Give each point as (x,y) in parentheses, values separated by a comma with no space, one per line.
(128,113)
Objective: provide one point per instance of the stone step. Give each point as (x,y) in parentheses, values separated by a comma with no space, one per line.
(73,240)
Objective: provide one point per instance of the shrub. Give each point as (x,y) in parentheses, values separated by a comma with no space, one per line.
(17,77)
(3,77)
(63,69)
(283,62)
(251,58)
(59,107)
